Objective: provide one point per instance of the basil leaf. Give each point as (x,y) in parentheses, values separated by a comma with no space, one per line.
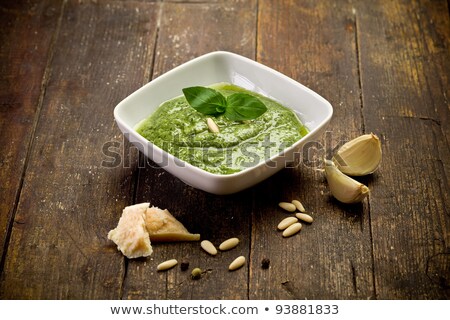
(205,100)
(237,106)
(242,106)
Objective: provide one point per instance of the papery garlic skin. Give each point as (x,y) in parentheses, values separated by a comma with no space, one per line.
(344,188)
(359,156)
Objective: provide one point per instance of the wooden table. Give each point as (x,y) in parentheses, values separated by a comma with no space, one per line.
(65,64)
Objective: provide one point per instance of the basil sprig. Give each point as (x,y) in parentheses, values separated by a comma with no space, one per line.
(236,107)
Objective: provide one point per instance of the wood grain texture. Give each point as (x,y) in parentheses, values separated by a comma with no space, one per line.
(405,67)
(26,33)
(188,30)
(314,43)
(70,199)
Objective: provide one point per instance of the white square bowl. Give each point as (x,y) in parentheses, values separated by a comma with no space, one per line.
(314,111)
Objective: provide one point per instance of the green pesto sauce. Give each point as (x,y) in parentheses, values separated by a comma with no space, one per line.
(180,130)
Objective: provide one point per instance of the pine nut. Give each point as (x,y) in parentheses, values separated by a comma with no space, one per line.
(167,265)
(212,125)
(305,217)
(299,205)
(208,247)
(237,263)
(292,229)
(287,206)
(286,222)
(229,244)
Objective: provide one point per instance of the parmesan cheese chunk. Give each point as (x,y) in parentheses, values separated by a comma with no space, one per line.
(162,226)
(139,224)
(131,235)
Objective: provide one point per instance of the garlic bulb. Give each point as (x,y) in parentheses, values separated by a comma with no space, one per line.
(344,188)
(359,156)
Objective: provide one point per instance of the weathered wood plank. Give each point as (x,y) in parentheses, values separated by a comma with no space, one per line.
(187,31)
(404,48)
(70,197)
(314,43)
(26,32)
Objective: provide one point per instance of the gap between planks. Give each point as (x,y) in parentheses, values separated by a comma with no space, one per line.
(363,129)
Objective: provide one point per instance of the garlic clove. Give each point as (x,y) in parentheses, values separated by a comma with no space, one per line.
(359,156)
(344,188)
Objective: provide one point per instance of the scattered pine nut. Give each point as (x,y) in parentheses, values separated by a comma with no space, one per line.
(229,244)
(299,205)
(286,222)
(287,206)
(208,247)
(212,125)
(305,217)
(237,263)
(292,229)
(167,265)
